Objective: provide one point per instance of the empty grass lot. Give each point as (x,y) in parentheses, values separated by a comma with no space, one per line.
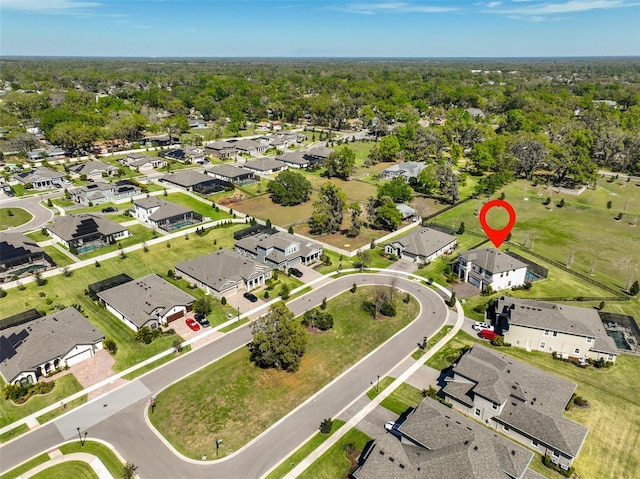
(10,217)
(584,226)
(236,400)
(613,417)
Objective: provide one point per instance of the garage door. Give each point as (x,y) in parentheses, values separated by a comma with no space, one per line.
(175,316)
(474,281)
(79,357)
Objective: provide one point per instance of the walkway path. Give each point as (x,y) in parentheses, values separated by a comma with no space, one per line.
(58,458)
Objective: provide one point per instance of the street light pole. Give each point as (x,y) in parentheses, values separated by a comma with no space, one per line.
(82,440)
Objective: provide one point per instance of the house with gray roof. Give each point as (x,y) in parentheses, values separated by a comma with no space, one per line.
(567,330)
(103,192)
(406,170)
(185,154)
(192,180)
(143,163)
(279,250)
(264,166)
(148,301)
(407,211)
(163,214)
(435,442)
(20,255)
(85,232)
(231,174)
(41,178)
(490,267)
(221,149)
(37,347)
(224,272)
(93,170)
(294,159)
(42,154)
(518,400)
(422,245)
(250,146)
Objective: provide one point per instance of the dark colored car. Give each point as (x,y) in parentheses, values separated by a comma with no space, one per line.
(109,209)
(251,297)
(295,272)
(202,320)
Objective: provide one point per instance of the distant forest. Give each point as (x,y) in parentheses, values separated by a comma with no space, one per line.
(569,116)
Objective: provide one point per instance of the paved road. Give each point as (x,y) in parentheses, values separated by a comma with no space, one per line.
(119,416)
(32,204)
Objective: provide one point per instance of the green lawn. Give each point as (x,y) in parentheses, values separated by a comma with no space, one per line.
(311,445)
(58,257)
(582,226)
(15,432)
(106,455)
(10,412)
(38,236)
(27,466)
(139,234)
(159,259)
(340,459)
(432,341)
(205,209)
(403,398)
(380,386)
(65,470)
(59,411)
(10,217)
(613,417)
(235,400)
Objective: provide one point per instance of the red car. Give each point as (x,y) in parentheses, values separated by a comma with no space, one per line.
(488,334)
(192,324)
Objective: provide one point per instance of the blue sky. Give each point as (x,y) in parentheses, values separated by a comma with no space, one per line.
(320,28)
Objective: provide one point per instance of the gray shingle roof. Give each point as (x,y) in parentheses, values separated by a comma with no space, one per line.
(534,400)
(140,299)
(166,210)
(90,166)
(424,241)
(407,169)
(76,226)
(38,174)
(492,260)
(264,164)
(228,171)
(222,269)
(16,245)
(555,317)
(294,158)
(28,345)
(280,242)
(187,178)
(443,444)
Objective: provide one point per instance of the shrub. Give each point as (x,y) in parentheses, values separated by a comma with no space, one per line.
(353,288)
(110,345)
(144,335)
(326,425)
(561,203)
(499,341)
(3,293)
(97,264)
(66,272)
(547,201)
(580,401)
(609,204)
(223,301)
(388,309)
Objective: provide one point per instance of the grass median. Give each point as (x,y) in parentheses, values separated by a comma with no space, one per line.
(235,400)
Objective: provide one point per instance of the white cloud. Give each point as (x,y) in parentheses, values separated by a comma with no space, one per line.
(494,4)
(570,6)
(371,8)
(46,6)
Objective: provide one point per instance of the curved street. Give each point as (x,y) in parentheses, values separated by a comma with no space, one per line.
(33,205)
(118,417)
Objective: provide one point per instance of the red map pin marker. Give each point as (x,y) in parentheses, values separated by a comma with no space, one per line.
(497,237)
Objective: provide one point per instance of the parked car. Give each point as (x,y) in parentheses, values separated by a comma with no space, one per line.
(488,334)
(295,272)
(109,209)
(202,320)
(251,297)
(192,324)
(481,326)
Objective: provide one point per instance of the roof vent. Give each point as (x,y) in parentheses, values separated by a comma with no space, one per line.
(391,459)
(401,466)
(475,448)
(513,452)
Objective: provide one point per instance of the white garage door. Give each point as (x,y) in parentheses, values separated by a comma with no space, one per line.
(81,356)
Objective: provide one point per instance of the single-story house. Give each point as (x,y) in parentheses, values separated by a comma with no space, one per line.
(422,245)
(566,330)
(434,442)
(197,124)
(41,154)
(35,348)
(221,149)
(231,174)
(264,166)
(405,169)
(85,232)
(163,214)
(224,272)
(249,146)
(157,140)
(406,211)
(192,180)
(318,154)
(103,192)
(93,170)
(186,154)
(490,267)
(41,178)
(294,159)
(279,250)
(142,163)
(148,301)
(520,401)
(20,255)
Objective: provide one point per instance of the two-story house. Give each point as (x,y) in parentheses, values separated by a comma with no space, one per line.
(279,250)
(566,330)
(490,267)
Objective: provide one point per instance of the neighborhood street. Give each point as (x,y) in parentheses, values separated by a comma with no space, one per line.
(119,417)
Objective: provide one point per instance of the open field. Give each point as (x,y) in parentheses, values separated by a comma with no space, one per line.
(336,463)
(584,226)
(613,417)
(10,412)
(10,217)
(236,400)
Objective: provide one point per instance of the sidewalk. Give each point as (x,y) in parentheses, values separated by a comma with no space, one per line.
(58,458)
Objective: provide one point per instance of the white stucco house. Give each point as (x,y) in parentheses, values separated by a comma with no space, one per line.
(490,267)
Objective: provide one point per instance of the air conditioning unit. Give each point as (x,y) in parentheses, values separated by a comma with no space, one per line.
(554,460)
(564,467)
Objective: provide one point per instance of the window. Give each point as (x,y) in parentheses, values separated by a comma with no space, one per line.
(610,357)
(547,332)
(506,427)
(477,412)
(589,340)
(534,442)
(495,406)
(576,351)
(542,345)
(555,334)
